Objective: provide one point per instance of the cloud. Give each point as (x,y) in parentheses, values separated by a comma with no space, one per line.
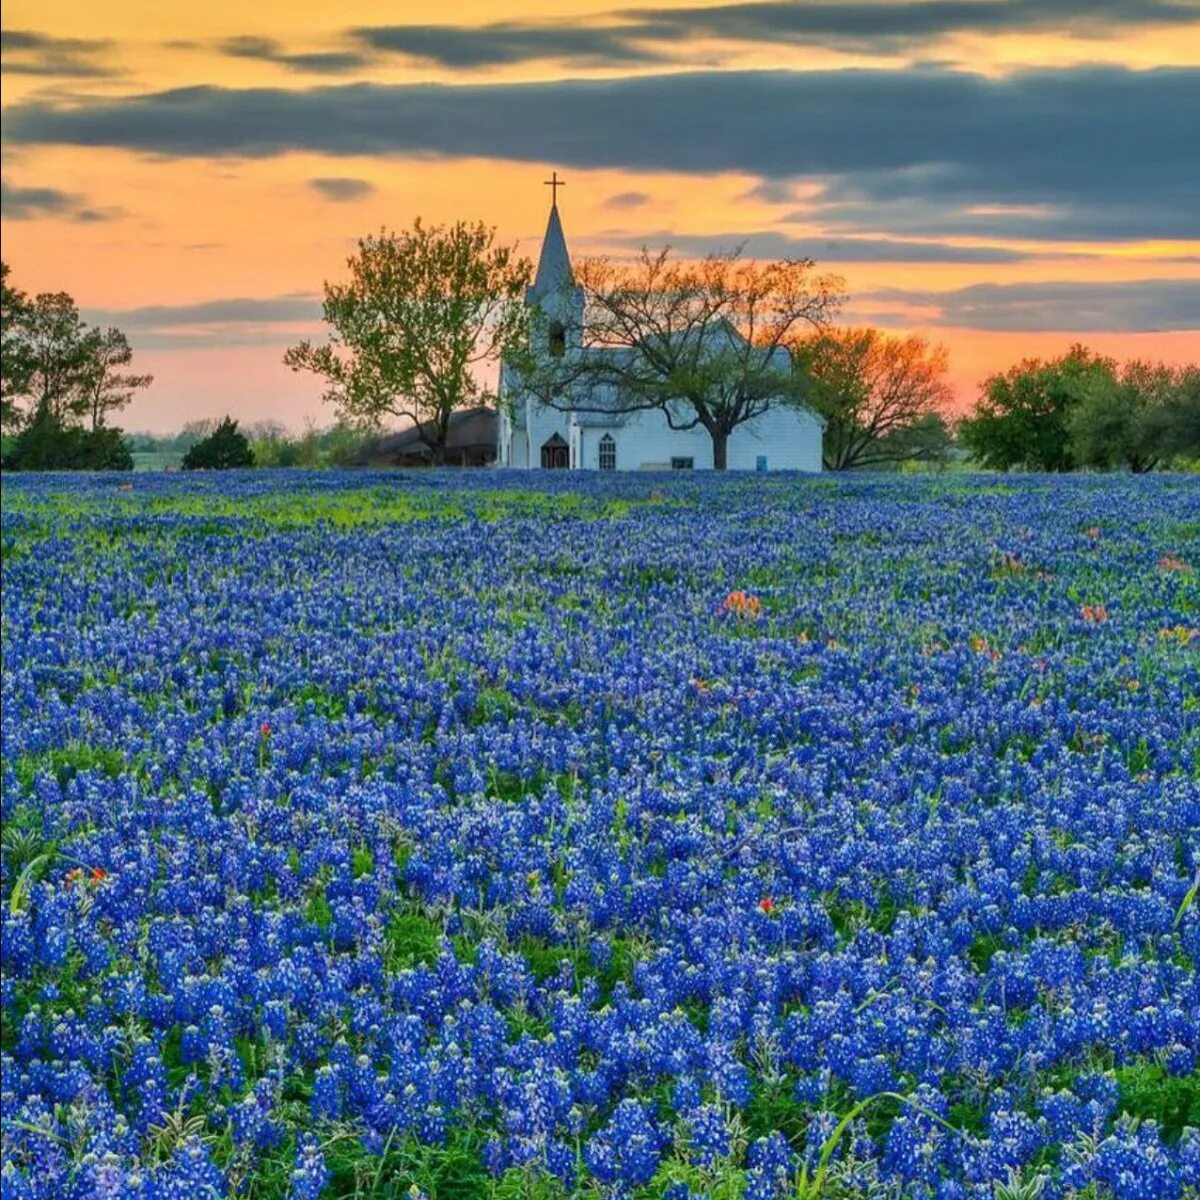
(292,306)
(773,244)
(341,188)
(27,52)
(330,62)
(627,200)
(878,27)
(1132,306)
(467,47)
(223,323)
(1101,147)
(33,203)
(642,35)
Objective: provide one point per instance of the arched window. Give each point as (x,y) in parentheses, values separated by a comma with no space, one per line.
(557,339)
(608,453)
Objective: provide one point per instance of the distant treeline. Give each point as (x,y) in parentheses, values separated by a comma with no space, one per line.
(885,399)
(269,443)
(1086,411)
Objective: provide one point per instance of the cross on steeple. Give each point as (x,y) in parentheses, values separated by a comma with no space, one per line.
(554,183)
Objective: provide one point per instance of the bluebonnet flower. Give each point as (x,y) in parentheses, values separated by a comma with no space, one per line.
(501,862)
(310,1174)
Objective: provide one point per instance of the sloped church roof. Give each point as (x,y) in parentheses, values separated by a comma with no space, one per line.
(554,266)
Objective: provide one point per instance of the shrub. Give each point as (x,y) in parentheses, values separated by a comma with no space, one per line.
(224,448)
(46,444)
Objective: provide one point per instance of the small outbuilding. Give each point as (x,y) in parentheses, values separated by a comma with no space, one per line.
(471,443)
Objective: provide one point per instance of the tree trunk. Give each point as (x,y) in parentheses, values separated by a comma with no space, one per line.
(720,443)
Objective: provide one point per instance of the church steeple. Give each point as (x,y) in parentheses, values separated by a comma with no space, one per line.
(554,272)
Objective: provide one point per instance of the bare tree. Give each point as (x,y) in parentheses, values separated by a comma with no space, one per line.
(704,343)
(876,393)
(422,312)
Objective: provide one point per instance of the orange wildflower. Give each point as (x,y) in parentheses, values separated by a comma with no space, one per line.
(744,605)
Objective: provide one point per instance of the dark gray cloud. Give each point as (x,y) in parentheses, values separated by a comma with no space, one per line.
(341,188)
(27,52)
(875,26)
(467,47)
(946,200)
(1103,148)
(31,203)
(826,249)
(627,200)
(639,35)
(1130,306)
(213,324)
(331,62)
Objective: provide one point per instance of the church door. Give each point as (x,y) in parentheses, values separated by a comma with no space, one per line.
(556,455)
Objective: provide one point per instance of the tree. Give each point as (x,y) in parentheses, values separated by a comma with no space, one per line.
(102,385)
(1139,420)
(1172,428)
(226,447)
(47,444)
(422,312)
(59,348)
(878,395)
(704,343)
(1021,418)
(16,362)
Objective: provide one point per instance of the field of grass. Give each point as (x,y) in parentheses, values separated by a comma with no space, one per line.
(393,835)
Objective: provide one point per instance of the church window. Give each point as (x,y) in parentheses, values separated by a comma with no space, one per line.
(682,464)
(760,463)
(608,453)
(557,339)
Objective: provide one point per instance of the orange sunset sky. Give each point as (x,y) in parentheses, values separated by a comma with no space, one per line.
(1007,176)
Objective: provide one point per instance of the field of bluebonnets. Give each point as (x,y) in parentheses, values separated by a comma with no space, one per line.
(389,835)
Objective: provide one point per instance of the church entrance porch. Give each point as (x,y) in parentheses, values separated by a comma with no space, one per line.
(556,455)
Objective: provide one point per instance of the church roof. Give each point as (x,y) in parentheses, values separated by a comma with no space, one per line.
(554,266)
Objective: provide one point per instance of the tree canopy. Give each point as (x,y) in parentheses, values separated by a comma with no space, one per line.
(58,375)
(421,314)
(881,396)
(1083,410)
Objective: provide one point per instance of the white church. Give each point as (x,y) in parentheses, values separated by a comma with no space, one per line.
(532,435)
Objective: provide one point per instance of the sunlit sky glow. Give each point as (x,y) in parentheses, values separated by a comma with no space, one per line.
(1007,176)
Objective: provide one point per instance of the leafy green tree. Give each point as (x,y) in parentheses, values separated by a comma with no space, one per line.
(102,384)
(421,313)
(47,444)
(60,349)
(1172,428)
(880,396)
(16,361)
(226,447)
(1022,418)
